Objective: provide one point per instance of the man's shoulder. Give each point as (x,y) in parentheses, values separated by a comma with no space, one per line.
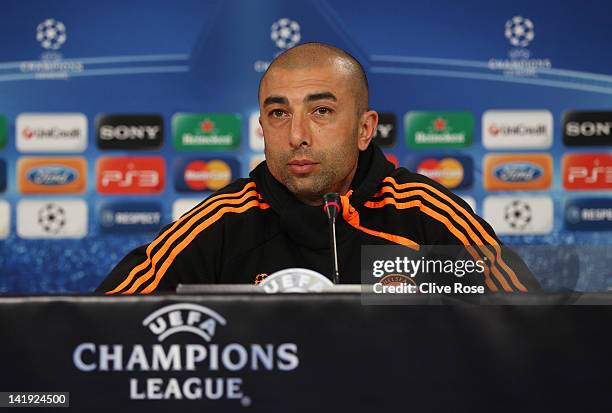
(240,196)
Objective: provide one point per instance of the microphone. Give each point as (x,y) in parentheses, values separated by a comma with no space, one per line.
(331,206)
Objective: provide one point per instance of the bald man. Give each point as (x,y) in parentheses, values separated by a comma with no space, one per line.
(318,132)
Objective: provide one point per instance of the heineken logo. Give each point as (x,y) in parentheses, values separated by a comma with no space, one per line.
(439,129)
(193,132)
(3,130)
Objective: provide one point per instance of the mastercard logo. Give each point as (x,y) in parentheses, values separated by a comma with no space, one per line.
(447,171)
(212,175)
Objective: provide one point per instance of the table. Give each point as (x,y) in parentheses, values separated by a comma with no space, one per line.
(249,352)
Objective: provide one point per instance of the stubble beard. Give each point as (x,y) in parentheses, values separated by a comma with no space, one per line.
(311,187)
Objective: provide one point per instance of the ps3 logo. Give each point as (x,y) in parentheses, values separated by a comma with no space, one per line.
(588,171)
(594,175)
(133,175)
(142,179)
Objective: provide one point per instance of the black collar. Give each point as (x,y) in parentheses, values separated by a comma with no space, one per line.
(305,224)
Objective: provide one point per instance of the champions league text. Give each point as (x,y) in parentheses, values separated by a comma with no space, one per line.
(234,357)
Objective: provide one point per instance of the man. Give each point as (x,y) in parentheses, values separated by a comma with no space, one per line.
(317,130)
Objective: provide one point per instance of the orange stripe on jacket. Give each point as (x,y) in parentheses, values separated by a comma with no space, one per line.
(179,248)
(159,256)
(190,218)
(351,216)
(491,241)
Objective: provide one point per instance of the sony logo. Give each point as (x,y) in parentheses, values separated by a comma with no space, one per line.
(124,132)
(588,128)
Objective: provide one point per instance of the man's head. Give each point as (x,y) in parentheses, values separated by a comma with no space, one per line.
(313,102)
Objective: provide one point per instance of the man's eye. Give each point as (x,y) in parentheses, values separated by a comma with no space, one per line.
(277,113)
(323,111)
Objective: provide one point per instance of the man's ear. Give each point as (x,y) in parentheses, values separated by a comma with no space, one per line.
(367,128)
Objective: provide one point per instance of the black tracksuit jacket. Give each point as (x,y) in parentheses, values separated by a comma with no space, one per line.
(255,226)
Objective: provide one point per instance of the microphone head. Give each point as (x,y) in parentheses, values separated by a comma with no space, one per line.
(331,205)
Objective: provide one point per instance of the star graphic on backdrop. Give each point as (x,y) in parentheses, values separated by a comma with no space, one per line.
(439,124)
(207,126)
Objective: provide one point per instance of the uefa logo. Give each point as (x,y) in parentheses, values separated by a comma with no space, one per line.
(285,33)
(51,34)
(519,31)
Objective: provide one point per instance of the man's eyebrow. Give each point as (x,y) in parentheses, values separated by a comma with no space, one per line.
(275,99)
(320,96)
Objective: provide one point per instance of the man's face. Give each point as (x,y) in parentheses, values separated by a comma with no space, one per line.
(311,130)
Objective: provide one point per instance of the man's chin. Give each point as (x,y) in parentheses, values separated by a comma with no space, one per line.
(308,194)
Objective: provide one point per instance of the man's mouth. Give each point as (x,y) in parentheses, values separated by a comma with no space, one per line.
(302,166)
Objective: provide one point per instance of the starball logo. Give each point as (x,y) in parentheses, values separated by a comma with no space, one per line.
(183,337)
(519,31)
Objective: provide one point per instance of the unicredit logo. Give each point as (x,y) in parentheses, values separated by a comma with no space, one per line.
(51,133)
(518,130)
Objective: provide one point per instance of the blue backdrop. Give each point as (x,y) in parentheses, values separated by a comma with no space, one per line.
(164,58)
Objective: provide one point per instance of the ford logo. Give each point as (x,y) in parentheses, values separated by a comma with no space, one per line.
(52,175)
(518,172)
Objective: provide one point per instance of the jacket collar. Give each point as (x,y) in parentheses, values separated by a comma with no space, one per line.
(305,224)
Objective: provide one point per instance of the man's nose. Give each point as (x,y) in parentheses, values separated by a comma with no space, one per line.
(300,133)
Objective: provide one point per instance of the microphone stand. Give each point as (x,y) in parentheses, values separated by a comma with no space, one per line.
(331,206)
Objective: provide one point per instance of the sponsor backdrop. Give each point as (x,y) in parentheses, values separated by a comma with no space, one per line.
(107,135)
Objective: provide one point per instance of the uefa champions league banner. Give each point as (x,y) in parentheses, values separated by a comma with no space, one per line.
(214,353)
(106,137)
